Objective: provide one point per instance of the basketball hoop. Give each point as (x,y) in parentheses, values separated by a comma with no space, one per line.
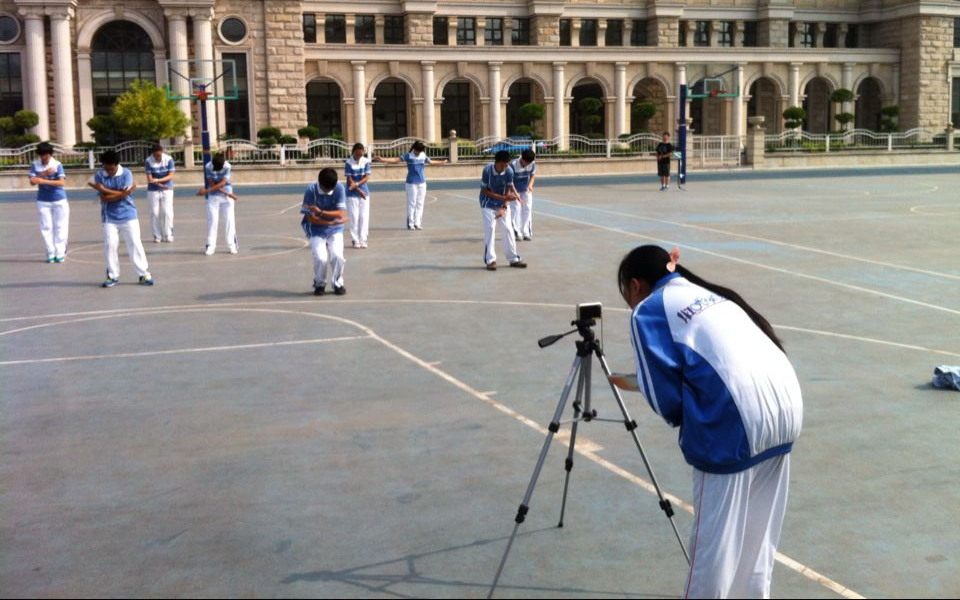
(715,93)
(204,95)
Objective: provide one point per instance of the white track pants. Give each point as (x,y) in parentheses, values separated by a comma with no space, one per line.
(358,209)
(220,206)
(490,232)
(54,226)
(416,193)
(111,243)
(523,215)
(161,213)
(327,250)
(736,530)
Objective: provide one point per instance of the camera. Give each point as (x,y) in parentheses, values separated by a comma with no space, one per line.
(590,311)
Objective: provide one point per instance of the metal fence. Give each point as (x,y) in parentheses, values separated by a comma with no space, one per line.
(723,150)
(856,139)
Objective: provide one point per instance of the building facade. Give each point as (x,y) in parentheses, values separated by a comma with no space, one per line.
(386,69)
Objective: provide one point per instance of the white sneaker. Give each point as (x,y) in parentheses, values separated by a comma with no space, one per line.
(156,239)
(233,251)
(210,250)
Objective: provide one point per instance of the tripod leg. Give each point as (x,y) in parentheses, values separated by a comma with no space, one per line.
(568,465)
(632,428)
(525,505)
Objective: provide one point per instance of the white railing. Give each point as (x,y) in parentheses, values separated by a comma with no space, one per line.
(856,139)
(722,150)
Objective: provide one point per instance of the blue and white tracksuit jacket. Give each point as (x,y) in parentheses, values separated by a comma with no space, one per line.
(706,367)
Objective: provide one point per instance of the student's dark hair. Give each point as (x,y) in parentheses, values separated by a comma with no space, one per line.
(358,146)
(327,178)
(417,147)
(44,148)
(218,160)
(528,155)
(501,156)
(667,133)
(110,157)
(649,264)
(156,148)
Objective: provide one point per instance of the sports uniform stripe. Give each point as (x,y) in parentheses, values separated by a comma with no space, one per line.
(647,380)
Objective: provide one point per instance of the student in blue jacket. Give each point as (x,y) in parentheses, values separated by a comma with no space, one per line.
(711,365)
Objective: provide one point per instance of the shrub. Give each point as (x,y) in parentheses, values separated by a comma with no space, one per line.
(310,132)
(273,133)
(795,116)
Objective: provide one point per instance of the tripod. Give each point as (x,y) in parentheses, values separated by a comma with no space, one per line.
(582,411)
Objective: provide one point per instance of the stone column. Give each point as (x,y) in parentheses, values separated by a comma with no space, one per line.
(601,32)
(85,82)
(508,31)
(755,142)
(429,108)
(359,101)
(35,68)
(620,119)
(842,35)
(714,35)
(350,24)
(379,22)
(63,75)
(847,83)
(738,107)
(480,31)
(795,84)
(451,31)
(203,50)
(819,32)
(494,74)
(559,101)
(627,31)
(737,33)
(575,24)
(177,31)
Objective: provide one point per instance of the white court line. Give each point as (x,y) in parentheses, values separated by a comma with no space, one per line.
(181,350)
(756,238)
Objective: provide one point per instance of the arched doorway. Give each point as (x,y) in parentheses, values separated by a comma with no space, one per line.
(765,102)
(869,102)
(120,53)
(458,108)
(587,116)
(651,91)
(390,112)
(817,104)
(523,91)
(324,102)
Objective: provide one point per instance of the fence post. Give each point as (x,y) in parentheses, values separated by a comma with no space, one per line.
(453,147)
(90,161)
(828,143)
(283,155)
(609,147)
(950,144)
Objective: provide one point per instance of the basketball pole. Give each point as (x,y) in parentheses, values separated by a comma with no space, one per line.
(204,132)
(682,138)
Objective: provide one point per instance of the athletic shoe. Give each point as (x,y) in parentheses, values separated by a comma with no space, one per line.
(145,280)
(410,227)
(156,239)
(169,238)
(492,266)
(527,238)
(518,264)
(51,259)
(353,243)
(362,245)
(234,250)
(339,291)
(210,250)
(418,227)
(319,290)
(59,259)
(110,282)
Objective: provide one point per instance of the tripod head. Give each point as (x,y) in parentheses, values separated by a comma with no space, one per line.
(583,326)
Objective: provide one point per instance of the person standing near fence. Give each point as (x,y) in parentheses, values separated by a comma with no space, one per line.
(220,203)
(47,174)
(118,214)
(358,195)
(524,174)
(664,154)
(160,169)
(416,185)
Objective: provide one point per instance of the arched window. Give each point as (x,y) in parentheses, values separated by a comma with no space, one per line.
(390,110)
(121,53)
(521,92)
(455,112)
(587,111)
(323,107)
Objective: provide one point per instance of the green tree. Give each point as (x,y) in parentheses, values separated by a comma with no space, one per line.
(310,132)
(588,110)
(145,112)
(842,96)
(13,130)
(104,129)
(891,119)
(531,113)
(795,117)
(644,111)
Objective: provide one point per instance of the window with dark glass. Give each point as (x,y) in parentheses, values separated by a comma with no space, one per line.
(521,32)
(588,32)
(748,37)
(638,35)
(233,30)
(121,53)
(365,29)
(390,111)
(831,35)
(323,107)
(466,31)
(493,34)
(440,27)
(310,29)
(682,33)
(701,33)
(956,35)
(955,107)
(801,35)
(614,36)
(335,29)
(853,38)
(564,32)
(725,38)
(455,110)
(237,112)
(393,29)
(11,84)
(9,29)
